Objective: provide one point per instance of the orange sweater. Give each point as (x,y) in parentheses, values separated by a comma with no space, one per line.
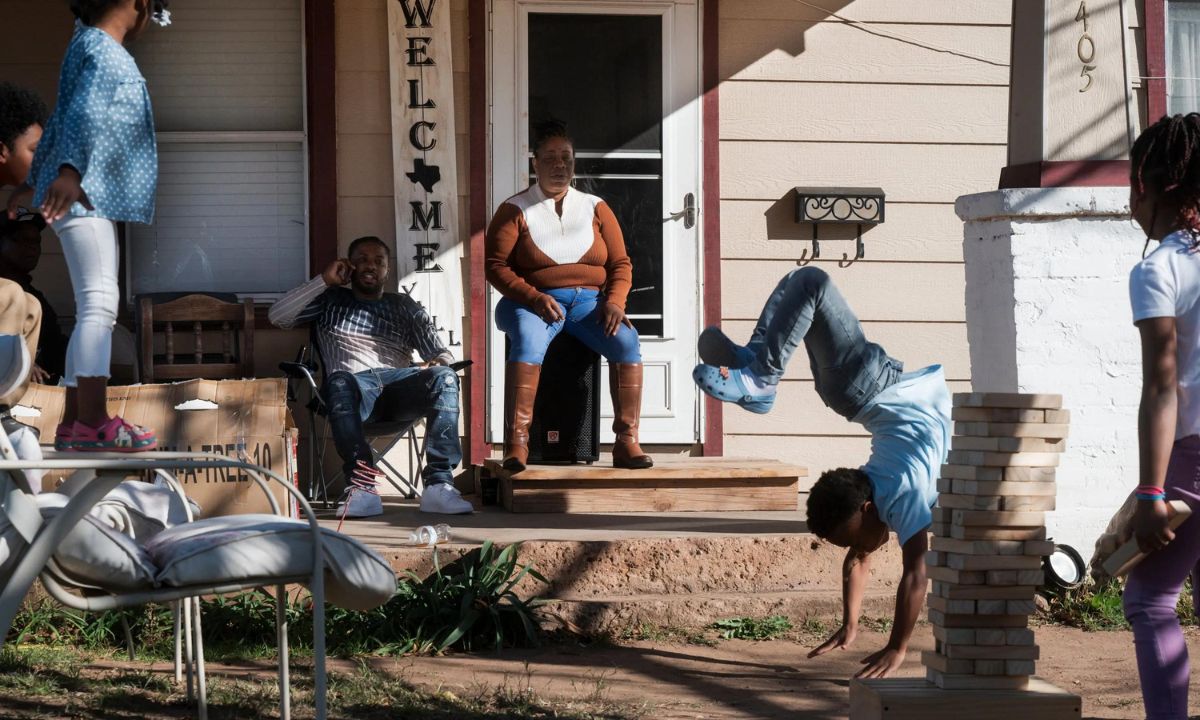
(530,248)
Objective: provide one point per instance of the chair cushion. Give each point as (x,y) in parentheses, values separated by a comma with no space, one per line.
(95,555)
(141,510)
(238,548)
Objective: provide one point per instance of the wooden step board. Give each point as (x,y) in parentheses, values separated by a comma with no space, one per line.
(672,485)
(917,699)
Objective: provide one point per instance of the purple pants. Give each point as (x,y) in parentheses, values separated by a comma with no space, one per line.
(1152,593)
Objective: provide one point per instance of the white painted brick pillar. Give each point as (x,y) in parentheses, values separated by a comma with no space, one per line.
(1047,298)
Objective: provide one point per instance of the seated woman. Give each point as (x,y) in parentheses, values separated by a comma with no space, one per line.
(558,257)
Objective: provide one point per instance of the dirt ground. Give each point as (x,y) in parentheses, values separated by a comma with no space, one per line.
(771,679)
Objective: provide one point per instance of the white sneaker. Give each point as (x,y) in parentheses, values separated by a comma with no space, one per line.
(444,499)
(362,494)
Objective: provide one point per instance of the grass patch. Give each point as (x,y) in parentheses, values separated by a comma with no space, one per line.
(42,684)
(1098,608)
(647,632)
(749,628)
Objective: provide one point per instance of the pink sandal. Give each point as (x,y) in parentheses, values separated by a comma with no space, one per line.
(116,435)
(64,436)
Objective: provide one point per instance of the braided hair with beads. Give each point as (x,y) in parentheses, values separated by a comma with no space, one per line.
(1165,159)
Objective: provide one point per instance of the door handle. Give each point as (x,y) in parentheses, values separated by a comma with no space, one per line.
(688,213)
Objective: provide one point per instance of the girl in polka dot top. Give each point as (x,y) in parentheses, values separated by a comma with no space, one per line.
(97,165)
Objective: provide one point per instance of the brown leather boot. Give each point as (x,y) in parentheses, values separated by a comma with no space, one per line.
(625,381)
(520,388)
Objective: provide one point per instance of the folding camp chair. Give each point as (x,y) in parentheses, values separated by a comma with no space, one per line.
(382,424)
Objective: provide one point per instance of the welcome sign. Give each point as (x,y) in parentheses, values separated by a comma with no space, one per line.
(428,262)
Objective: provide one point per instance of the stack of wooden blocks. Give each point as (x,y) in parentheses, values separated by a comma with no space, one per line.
(989,530)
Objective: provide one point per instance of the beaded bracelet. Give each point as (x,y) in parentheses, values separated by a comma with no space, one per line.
(1151,496)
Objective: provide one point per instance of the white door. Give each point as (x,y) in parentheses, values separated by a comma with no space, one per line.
(625,78)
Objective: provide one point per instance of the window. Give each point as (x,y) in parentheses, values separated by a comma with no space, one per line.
(226,80)
(1183,56)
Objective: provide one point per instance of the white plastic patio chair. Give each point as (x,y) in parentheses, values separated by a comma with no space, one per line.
(86,565)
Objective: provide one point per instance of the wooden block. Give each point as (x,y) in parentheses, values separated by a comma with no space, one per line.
(977,621)
(1019,667)
(1059,417)
(991,607)
(957,577)
(945,485)
(1018,636)
(1003,488)
(989,667)
(988,636)
(1028,474)
(970,472)
(970,502)
(997,519)
(979,547)
(1128,555)
(1023,503)
(959,532)
(1002,577)
(1003,459)
(941,663)
(942,515)
(917,699)
(964,636)
(1001,415)
(946,681)
(984,592)
(940,529)
(1031,577)
(1007,444)
(1038,547)
(934,558)
(1039,430)
(1042,401)
(991,652)
(992,562)
(1019,607)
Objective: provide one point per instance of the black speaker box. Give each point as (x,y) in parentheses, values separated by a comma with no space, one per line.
(566,411)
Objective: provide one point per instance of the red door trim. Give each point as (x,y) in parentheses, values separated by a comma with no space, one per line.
(1156,58)
(714,419)
(321,72)
(478,448)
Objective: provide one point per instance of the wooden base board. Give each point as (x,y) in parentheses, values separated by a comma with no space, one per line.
(918,699)
(673,485)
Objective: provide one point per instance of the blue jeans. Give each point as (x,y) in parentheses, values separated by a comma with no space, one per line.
(429,393)
(530,335)
(806,306)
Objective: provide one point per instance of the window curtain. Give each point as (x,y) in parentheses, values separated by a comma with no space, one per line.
(1183,56)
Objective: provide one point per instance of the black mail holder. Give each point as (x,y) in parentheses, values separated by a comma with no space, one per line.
(566,410)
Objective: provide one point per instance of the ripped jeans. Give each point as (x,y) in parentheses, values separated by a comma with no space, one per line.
(429,393)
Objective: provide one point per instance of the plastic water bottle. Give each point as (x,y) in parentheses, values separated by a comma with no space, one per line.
(429,535)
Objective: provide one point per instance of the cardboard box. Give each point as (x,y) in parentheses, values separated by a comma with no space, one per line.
(228,417)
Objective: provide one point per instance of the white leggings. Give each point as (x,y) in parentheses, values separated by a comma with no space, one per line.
(90,247)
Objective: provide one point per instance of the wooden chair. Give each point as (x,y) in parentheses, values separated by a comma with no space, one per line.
(197,315)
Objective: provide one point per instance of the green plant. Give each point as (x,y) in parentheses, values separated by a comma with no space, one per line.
(748,628)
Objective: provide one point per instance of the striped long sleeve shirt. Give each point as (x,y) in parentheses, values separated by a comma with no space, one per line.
(356,335)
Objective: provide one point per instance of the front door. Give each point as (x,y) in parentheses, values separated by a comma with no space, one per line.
(624,76)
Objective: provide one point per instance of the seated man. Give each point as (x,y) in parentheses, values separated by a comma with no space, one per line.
(908,416)
(20,250)
(367,338)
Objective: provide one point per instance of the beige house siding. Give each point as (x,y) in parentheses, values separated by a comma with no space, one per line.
(810,99)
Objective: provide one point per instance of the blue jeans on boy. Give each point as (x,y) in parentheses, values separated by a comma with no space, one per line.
(806,306)
(530,335)
(429,393)
(1152,592)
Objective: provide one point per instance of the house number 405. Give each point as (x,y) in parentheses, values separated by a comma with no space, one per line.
(1085,48)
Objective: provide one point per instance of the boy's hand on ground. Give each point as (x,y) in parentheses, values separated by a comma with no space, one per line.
(840,640)
(882,663)
(1149,525)
(65,191)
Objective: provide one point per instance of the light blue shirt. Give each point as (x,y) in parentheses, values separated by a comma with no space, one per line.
(104,128)
(909,424)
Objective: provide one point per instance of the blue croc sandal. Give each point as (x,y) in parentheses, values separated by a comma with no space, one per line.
(716,348)
(727,385)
